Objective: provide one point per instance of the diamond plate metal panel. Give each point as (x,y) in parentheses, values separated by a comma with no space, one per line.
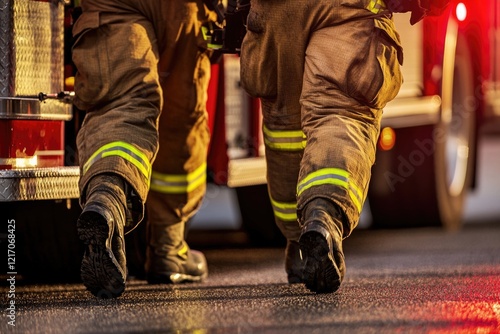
(39,184)
(32,46)
(32,58)
(5,47)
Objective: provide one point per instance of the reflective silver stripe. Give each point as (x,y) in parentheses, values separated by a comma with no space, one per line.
(125,151)
(284,140)
(179,183)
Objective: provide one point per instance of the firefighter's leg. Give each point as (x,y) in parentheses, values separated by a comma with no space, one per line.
(270,70)
(179,173)
(284,149)
(101,228)
(118,139)
(273,72)
(342,107)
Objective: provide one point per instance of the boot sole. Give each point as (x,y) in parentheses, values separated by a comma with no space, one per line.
(100,272)
(320,274)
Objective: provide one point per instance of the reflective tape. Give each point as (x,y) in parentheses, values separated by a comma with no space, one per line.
(333,176)
(208,38)
(183,252)
(284,140)
(125,151)
(179,183)
(285,211)
(376,6)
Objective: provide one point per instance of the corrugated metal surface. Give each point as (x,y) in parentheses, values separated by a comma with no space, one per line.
(33,44)
(39,184)
(5,47)
(32,58)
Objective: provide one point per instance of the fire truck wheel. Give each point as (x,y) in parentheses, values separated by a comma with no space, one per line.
(424,179)
(258,217)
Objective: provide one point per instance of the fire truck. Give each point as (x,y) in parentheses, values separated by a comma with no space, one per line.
(426,158)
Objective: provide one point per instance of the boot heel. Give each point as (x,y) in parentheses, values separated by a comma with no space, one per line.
(101,274)
(316,227)
(321,273)
(92,227)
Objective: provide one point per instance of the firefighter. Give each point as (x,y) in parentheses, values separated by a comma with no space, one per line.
(324,71)
(136,59)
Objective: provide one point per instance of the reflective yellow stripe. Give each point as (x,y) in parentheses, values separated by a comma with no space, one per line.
(208,38)
(284,140)
(356,196)
(179,183)
(285,211)
(334,176)
(125,151)
(375,6)
(183,251)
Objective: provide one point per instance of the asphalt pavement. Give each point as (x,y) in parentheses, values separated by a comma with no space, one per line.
(425,280)
(397,281)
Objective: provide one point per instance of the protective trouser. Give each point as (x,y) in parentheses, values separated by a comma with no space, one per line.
(323,70)
(135,59)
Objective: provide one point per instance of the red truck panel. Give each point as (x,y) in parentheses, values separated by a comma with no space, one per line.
(31,143)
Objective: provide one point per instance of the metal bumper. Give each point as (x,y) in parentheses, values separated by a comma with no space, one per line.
(246,172)
(412,111)
(34,109)
(39,184)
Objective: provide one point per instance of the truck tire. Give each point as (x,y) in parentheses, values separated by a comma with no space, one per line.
(424,179)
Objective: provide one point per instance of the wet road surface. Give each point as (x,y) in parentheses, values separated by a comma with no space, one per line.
(397,281)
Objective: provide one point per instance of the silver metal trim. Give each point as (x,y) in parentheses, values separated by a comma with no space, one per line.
(410,112)
(247,172)
(32,108)
(39,184)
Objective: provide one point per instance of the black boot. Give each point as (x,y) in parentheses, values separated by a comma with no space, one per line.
(293,262)
(101,228)
(320,243)
(169,259)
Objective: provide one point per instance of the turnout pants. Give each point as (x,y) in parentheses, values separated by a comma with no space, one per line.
(324,70)
(135,60)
